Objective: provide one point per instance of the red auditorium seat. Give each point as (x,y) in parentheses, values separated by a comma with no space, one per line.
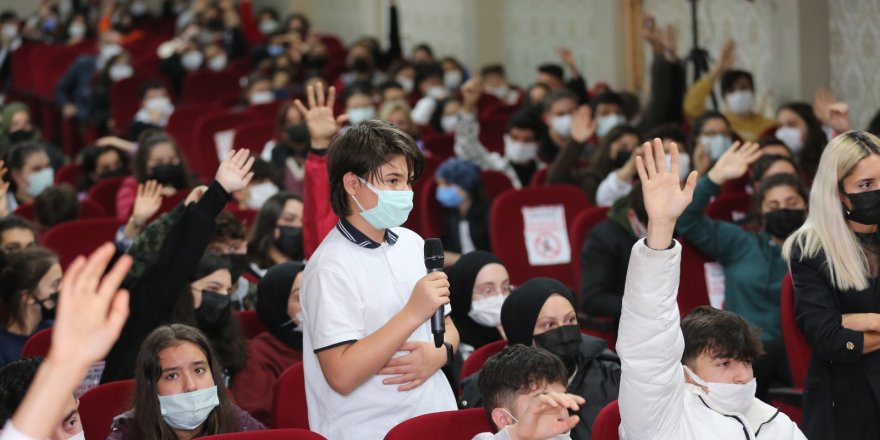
(269,434)
(507,229)
(578,231)
(441,145)
(606,423)
(38,344)
(69,174)
(538,177)
(203,147)
(203,86)
(431,212)
(266,112)
(125,100)
(798,352)
(181,123)
(79,237)
(254,135)
(99,405)
(289,408)
(87,209)
(492,131)
(730,207)
(461,424)
(475,361)
(414,221)
(495,183)
(692,290)
(104,193)
(251,325)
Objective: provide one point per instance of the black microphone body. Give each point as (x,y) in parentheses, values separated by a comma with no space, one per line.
(434,263)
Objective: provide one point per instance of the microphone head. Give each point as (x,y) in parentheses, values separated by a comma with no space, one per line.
(433,253)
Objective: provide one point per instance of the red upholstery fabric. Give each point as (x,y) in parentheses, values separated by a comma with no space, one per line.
(183,120)
(492,131)
(104,193)
(462,424)
(475,361)
(606,423)
(414,221)
(692,290)
(796,347)
(507,226)
(98,406)
(441,145)
(203,86)
(289,409)
(578,231)
(254,135)
(204,147)
(38,344)
(267,112)
(125,100)
(495,182)
(725,205)
(538,177)
(271,434)
(79,237)
(250,323)
(69,174)
(91,209)
(430,210)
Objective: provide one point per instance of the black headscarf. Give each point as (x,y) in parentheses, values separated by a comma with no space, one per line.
(461,285)
(272,295)
(520,310)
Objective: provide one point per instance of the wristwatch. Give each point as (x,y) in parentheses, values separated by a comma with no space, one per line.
(450,353)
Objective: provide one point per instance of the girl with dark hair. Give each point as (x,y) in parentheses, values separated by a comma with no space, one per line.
(711,135)
(29,283)
(272,351)
(752,261)
(158,158)
(100,163)
(30,172)
(277,233)
(288,150)
(183,284)
(179,391)
(445,116)
(466,210)
(802,132)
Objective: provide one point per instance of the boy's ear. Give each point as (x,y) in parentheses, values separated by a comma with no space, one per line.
(500,418)
(351,183)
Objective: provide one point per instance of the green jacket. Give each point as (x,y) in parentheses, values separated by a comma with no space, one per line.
(753,263)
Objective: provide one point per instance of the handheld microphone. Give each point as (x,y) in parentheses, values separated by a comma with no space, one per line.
(434,263)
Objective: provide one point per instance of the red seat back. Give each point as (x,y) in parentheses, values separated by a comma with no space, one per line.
(492,131)
(796,347)
(99,405)
(69,174)
(578,231)
(475,361)
(606,423)
(254,135)
(79,237)
(267,112)
(204,147)
(104,193)
(538,177)
(38,344)
(414,221)
(91,209)
(692,290)
(181,123)
(289,409)
(270,434)
(203,86)
(431,212)
(495,182)
(125,100)
(441,145)
(251,325)
(507,229)
(730,207)
(462,424)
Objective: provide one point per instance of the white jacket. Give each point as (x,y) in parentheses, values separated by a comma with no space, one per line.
(655,401)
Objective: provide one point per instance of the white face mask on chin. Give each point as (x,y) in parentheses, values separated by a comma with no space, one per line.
(728,397)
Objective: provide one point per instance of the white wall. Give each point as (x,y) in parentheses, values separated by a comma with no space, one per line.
(855,43)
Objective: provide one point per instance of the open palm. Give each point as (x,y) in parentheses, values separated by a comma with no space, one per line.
(735,162)
(319,115)
(665,199)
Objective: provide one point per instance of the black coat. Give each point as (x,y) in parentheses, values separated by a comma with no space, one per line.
(604,260)
(597,380)
(478,221)
(842,387)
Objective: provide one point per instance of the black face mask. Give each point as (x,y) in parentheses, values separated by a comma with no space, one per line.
(298,133)
(168,174)
(316,63)
(782,222)
(360,65)
(119,172)
(564,341)
(20,136)
(238,264)
(865,208)
(214,311)
(47,314)
(290,242)
(620,160)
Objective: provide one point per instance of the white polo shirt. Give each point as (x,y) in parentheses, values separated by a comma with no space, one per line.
(351,287)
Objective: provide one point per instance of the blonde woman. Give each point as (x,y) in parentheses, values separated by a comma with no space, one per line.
(835,261)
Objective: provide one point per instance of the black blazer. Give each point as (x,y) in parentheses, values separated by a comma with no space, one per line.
(842,387)
(478,221)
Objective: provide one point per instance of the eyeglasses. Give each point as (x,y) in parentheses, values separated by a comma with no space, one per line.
(488,290)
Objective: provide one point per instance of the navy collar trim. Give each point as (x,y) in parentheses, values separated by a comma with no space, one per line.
(359,238)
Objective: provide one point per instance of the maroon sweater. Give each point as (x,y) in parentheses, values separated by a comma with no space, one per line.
(253,386)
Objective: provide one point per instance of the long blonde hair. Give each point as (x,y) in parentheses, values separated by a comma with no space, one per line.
(825,228)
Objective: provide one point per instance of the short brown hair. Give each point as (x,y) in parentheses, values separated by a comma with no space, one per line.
(719,334)
(56,204)
(362,150)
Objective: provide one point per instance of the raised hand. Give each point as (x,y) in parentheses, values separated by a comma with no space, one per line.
(470,93)
(147,201)
(582,124)
(670,42)
(4,189)
(546,416)
(735,162)
(319,115)
(838,117)
(195,194)
(91,311)
(664,197)
(726,58)
(413,369)
(566,56)
(235,172)
(822,104)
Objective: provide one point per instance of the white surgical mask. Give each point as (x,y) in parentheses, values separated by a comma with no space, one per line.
(361,114)
(76,30)
(299,318)
(716,144)
(10,31)
(452,79)
(391,210)
(561,125)
(192,60)
(218,62)
(159,103)
(138,8)
(519,152)
(487,311)
(262,97)
(563,436)
(684,164)
(40,180)
(792,138)
(499,92)
(187,411)
(407,83)
(119,72)
(729,397)
(268,27)
(437,92)
(108,51)
(79,436)
(605,124)
(259,193)
(739,102)
(448,123)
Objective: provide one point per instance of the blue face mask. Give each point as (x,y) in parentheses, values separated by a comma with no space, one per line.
(449,196)
(391,210)
(716,144)
(606,123)
(361,114)
(39,181)
(188,411)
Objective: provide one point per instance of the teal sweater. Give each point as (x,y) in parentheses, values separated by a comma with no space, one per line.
(753,263)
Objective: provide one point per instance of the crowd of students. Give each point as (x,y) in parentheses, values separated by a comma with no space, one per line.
(340,285)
